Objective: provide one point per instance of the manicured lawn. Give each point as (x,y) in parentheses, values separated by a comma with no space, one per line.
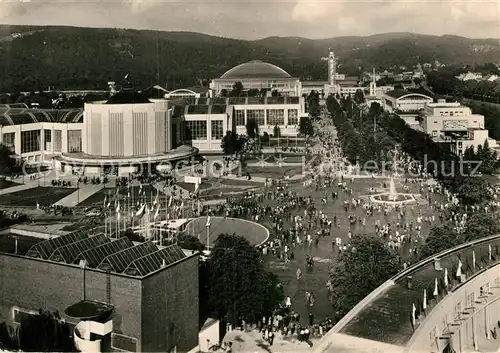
(190,187)
(4,184)
(274,172)
(43,195)
(225,191)
(281,157)
(237,182)
(97,200)
(250,230)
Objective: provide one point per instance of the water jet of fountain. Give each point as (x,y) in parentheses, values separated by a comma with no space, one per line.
(392,190)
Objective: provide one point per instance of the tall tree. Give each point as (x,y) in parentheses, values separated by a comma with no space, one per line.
(233,143)
(237,89)
(439,239)
(306,126)
(7,162)
(359,270)
(359,97)
(252,128)
(239,286)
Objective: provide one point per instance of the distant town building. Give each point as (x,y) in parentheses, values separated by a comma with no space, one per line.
(470,76)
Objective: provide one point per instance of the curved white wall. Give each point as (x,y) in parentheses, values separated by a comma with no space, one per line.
(125,130)
(464,312)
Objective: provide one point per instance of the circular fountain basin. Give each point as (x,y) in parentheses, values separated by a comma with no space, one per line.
(393,199)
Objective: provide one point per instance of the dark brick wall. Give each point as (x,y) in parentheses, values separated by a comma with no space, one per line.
(170,308)
(34,284)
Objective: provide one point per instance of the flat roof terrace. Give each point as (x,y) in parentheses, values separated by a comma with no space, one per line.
(385,314)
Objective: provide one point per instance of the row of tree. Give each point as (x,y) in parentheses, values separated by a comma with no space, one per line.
(446,236)
(362,140)
(438,160)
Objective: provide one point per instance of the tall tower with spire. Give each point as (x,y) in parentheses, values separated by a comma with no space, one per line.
(332,69)
(332,72)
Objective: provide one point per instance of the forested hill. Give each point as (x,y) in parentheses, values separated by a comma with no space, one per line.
(69,57)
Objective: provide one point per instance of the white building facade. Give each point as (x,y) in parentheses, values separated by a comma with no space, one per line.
(402,101)
(38,135)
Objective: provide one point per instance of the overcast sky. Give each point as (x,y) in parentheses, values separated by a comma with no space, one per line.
(251,19)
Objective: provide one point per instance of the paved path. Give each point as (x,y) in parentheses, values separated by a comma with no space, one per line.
(81,194)
(17,188)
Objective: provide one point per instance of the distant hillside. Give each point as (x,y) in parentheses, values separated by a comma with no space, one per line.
(70,57)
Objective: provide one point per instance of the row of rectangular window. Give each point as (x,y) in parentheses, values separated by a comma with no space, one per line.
(197,130)
(31,140)
(274,116)
(470,302)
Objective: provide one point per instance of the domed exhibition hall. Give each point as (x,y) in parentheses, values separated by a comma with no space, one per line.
(257,74)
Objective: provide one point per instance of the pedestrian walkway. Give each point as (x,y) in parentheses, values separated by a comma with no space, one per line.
(253,342)
(81,194)
(17,188)
(180,193)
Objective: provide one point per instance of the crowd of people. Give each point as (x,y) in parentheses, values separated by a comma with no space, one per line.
(299,221)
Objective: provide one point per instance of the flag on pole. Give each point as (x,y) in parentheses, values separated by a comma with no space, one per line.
(489,252)
(37,205)
(459,269)
(157,212)
(424,303)
(140,212)
(208,222)
(446,277)
(105,200)
(170,201)
(473,260)
(196,187)
(413,318)
(118,207)
(436,289)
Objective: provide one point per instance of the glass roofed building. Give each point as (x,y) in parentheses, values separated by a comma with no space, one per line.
(257,74)
(37,134)
(134,297)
